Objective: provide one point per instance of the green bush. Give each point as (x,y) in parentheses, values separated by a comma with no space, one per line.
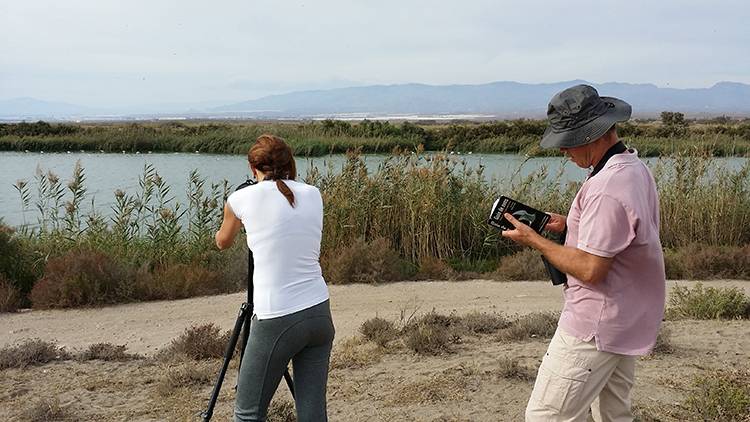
(708,303)
(17,264)
(721,396)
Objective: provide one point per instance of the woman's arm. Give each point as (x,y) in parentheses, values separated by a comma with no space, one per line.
(230,226)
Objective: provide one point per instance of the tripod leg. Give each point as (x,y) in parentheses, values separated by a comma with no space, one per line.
(241,317)
(289,382)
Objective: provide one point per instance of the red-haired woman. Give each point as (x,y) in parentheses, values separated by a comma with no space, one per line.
(283,219)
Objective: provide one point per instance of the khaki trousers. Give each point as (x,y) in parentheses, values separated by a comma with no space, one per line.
(575,377)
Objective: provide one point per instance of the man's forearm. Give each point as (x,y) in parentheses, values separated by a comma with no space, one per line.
(569,260)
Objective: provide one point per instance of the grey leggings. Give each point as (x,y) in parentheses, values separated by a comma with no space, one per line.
(305,338)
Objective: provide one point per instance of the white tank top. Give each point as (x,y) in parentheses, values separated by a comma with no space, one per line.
(285,242)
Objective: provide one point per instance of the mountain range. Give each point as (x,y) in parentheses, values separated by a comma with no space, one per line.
(491,100)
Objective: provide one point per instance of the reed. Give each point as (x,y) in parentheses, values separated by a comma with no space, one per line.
(721,138)
(417,214)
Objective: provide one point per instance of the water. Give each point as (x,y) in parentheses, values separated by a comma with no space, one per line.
(107,172)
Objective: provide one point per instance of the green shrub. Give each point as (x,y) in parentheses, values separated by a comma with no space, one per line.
(708,303)
(10,298)
(17,264)
(721,396)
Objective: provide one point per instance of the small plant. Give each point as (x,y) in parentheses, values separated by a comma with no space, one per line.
(107,352)
(9,296)
(721,396)
(184,375)
(354,353)
(510,368)
(31,352)
(533,325)
(484,323)
(708,303)
(48,410)
(379,331)
(198,342)
(432,334)
(663,342)
(282,411)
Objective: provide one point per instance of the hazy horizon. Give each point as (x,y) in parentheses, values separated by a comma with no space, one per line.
(102,54)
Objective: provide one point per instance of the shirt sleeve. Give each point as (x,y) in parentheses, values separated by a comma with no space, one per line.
(606,227)
(232,201)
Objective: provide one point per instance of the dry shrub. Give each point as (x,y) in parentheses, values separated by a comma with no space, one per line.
(431,268)
(703,262)
(363,262)
(484,323)
(379,330)
(179,281)
(533,325)
(281,411)
(10,299)
(81,277)
(438,388)
(708,303)
(509,368)
(31,352)
(663,342)
(524,265)
(674,267)
(198,342)
(107,352)
(185,375)
(721,396)
(355,352)
(433,333)
(48,410)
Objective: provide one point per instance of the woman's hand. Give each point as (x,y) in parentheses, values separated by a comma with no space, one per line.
(556,223)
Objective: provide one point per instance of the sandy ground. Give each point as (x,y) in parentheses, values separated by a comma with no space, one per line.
(392,385)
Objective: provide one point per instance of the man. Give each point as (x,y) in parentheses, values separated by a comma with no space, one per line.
(614,296)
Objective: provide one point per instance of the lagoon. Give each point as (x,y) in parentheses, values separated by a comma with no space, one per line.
(107,172)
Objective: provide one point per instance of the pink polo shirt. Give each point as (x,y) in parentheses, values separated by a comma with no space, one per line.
(616,215)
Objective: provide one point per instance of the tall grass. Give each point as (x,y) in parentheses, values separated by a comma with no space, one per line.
(412,217)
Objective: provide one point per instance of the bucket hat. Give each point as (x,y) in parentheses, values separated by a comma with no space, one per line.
(578,116)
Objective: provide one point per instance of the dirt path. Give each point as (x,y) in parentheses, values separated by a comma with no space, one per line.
(146,327)
(372,384)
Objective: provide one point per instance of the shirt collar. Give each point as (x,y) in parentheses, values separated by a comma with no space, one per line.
(615,149)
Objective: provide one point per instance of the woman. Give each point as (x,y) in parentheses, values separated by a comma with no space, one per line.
(283,219)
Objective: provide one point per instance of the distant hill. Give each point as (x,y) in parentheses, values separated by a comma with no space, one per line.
(31,107)
(491,100)
(501,99)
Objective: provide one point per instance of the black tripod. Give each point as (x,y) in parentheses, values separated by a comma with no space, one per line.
(242,324)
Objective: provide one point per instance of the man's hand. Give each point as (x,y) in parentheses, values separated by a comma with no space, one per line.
(556,223)
(522,233)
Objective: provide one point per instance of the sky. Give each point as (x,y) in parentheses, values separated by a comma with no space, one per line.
(124,53)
